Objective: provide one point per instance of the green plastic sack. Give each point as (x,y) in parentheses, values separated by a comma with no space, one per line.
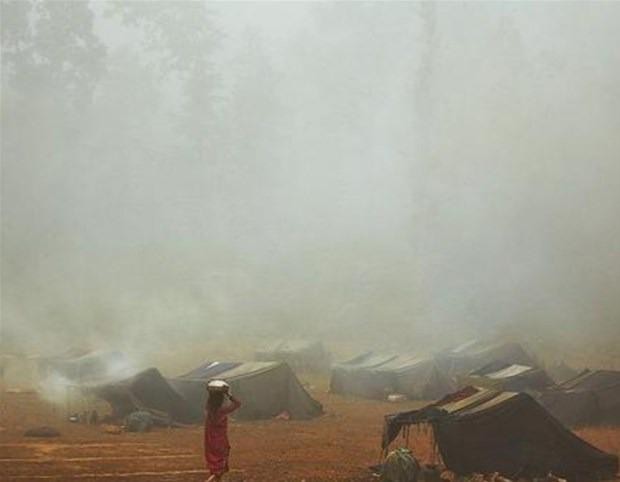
(400,466)
(139,421)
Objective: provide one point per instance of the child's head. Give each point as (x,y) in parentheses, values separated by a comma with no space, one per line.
(215,401)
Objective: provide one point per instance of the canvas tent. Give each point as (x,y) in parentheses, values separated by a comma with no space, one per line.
(53,364)
(299,354)
(506,376)
(83,365)
(348,377)
(485,431)
(591,398)
(147,390)
(266,389)
(561,372)
(573,408)
(474,355)
(375,375)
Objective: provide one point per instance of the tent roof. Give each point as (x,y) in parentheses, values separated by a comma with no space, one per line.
(229,370)
(510,371)
(514,377)
(368,360)
(503,371)
(480,395)
(498,350)
(473,355)
(464,347)
(356,359)
(404,363)
(97,354)
(68,354)
(209,369)
(249,369)
(92,366)
(593,380)
(488,404)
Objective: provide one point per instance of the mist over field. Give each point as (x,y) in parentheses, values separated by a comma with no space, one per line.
(405,173)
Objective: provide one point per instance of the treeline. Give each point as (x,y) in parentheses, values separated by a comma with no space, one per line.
(438,169)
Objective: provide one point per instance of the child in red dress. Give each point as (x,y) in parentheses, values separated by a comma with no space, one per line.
(216,444)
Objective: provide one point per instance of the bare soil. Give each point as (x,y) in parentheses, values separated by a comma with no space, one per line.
(338,446)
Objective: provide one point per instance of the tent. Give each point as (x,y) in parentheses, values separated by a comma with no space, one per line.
(417,378)
(299,354)
(506,376)
(474,355)
(375,375)
(561,372)
(485,431)
(591,398)
(573,408)
(147,390)
(83,365)
(348,377)
(266,389)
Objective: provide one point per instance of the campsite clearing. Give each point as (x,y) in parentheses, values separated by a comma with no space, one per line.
(335,447)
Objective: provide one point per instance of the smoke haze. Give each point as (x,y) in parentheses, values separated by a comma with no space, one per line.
(182,170)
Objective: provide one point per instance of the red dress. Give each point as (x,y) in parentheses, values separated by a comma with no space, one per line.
(216,444)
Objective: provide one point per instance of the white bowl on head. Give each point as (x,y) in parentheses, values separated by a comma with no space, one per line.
(218,386)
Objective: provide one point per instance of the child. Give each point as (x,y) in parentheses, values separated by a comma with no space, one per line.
(216,444)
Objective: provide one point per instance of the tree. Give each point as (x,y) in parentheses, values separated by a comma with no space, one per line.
(52,61)
(181,39)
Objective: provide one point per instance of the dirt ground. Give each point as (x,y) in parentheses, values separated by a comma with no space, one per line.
(338,446)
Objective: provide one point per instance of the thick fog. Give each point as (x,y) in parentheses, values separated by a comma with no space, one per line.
(349,171)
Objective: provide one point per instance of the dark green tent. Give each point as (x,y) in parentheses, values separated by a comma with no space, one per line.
(147,390)
(351,377)
(375,376)
(299,354)
(561,372)
(474,355)
(486,431)
(591,398)
(266,389)
(83,366)
(507,376)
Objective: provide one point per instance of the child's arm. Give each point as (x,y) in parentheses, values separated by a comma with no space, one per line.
(234,405)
